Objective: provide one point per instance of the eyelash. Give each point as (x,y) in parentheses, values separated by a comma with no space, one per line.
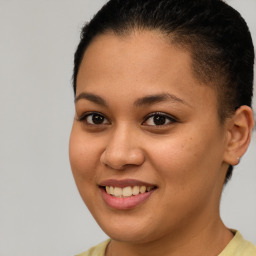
(163,117)
(91,114)
(170,119)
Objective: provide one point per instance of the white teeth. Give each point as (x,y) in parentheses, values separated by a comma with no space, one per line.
(127,191)
(118,191)
(143,189)
(136,190)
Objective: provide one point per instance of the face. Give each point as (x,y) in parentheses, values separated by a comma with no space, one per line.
(146,147)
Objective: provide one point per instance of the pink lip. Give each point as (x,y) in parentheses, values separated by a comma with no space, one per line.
(125,203)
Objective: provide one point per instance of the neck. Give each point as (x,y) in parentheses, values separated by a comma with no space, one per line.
(208,240)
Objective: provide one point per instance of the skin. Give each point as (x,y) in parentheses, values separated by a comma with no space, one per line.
(186,158)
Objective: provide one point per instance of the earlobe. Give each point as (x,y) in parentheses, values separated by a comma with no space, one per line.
(239,132)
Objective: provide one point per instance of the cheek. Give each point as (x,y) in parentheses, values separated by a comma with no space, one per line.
(83,154)
(83,157)
(187,160)
(188,176)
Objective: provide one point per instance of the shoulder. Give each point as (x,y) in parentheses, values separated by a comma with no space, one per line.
(98,250)
(238,246)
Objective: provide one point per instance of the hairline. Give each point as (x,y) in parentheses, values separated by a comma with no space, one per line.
(181,42)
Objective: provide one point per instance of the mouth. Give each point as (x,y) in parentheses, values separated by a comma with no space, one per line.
(127,191)
(126,194)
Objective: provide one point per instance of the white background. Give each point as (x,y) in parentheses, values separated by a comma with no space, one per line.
(41,212)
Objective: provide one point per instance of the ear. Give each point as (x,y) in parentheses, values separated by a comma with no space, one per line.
(239,131)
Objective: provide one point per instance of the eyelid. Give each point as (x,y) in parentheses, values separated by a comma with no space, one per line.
(82,117)
(171,118)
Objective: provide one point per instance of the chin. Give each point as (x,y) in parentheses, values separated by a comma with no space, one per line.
(129,235)
(129,229)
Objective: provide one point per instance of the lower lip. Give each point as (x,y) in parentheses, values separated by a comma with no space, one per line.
(124,203)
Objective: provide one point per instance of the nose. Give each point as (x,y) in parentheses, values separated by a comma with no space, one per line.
(122,149)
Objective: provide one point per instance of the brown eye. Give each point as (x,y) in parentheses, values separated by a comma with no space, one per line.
(94,119)
(159,119)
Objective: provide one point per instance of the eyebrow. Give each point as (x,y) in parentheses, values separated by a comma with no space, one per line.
(151,99)
(147,100)
(91,97)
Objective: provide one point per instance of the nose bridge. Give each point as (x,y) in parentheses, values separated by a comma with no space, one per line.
(122,148)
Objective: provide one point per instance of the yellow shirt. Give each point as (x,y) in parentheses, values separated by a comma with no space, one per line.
(238,246)
(98,250)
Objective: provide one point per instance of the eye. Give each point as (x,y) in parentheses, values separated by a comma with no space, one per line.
(159,119)
(94,119)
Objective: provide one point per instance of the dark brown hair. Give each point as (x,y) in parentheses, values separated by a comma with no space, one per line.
(214,33)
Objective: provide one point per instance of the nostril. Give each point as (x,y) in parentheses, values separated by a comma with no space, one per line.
(113,160)
(114,166)
(120,153)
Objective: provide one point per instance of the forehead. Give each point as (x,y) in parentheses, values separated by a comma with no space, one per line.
(137,62)
(136,50)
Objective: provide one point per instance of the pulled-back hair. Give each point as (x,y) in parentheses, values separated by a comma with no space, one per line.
(215,35)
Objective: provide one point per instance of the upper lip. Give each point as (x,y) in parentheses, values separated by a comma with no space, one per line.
(124,183)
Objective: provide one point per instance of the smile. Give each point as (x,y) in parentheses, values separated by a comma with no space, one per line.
(127,191)
(126,194)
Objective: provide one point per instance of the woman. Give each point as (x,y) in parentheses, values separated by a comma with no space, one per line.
(163,94)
